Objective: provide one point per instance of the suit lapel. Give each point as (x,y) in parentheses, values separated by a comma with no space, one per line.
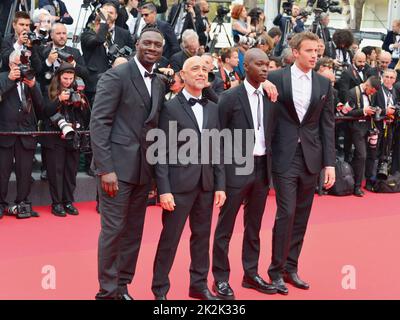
(288,94)
(242,94)
(315,93)
(139,84)
(205,116)
(155,97)
(266,110)
(188,109)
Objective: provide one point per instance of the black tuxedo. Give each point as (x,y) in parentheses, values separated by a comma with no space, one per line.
(251,188)
(95,54)
(349,79)
(390,39)
(122,114)
(193,187)
(188,23)
(296,166)
(14,118)
(330,51)
(7,47)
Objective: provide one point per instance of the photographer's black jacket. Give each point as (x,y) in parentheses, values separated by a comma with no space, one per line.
(12,117)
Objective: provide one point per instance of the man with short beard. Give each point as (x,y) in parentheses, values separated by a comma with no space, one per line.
(126,107)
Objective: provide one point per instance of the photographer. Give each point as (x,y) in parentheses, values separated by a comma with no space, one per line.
(392,42)
(20,102)
(364,134)
(241,22)
(229,61)
(204,31)
(42,21)
(190,47)
(58,9)
(96,43)
(257,20)
(322,30)
(20,40)
(64,111)
(339,48)
(183,16)
(292,12)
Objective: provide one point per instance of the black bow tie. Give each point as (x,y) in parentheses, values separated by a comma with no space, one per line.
(202,101)
(150,75)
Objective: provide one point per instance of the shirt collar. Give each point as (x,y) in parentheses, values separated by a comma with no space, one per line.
(142,69)
(187,95)
(250,89)
(299,73)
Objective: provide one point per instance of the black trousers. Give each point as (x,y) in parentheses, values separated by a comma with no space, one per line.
(62,168)
(23,171)
(254,195)
(294,197)
(198,206)
(364,157)
(122,220)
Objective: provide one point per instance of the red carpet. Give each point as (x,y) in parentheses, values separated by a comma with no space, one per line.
(363,233)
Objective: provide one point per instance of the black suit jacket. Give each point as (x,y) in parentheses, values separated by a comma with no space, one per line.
(357,103)
(181,178)
(95,54)
(349,79)
(11,118)
(177,60)
(389,39)
(63,10)
(235,113)
(188,23)
(122,114)
(316,131)
(171,44)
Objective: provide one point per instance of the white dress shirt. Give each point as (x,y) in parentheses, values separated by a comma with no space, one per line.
(142,70)
(197,108)
(301,90)
(259,145)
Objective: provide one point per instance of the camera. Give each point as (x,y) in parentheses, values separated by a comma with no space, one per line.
(377,115)
(239,39)
(327,5)
(65,56)
(287,7)
(38,39)
(74,97)
(115,52)
(25,67)
(372,137)
(165,77)
(383,170)
(67,131)
(222,11)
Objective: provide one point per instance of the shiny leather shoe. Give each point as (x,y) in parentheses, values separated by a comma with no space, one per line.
(223,290)
(358,192)
(58,210)
(258,283)
(202,295)
(294,280)
(162,297)
(70,209)
(279,284)
(125,296)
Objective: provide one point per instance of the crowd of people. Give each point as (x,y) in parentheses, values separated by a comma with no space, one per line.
(129,56)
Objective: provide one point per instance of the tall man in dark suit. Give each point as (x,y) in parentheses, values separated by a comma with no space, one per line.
(392,43)
(187,190)
(95,45)
(20,102)
(362,99)
(149,14)
(303,143)
(244,109)
(126,107)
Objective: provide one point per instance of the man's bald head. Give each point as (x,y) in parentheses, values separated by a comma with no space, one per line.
(254,54)
(192,61)
(360,59)
(194,73)
(384,60)
(359,54)
(256,64)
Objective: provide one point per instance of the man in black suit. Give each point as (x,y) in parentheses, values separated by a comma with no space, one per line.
(190,47)
(149,14)
(58,9)
(126,107)
(96,43)
(339,48)
(362,100)
(245,109)
(51,59)
(392,43)
(383,62)
(303,143)
(188,190)
(20,101)
(184,16)
(19,41)
(352,76)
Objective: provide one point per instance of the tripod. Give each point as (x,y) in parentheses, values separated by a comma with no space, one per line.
(11,15)
(220,26)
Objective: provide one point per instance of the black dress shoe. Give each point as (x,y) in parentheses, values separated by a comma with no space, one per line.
(279,284)
(58,210)
(125,296)
(358,192)
(223,290)
(162,297)
(202,295)
(295,281)
(258,283)
(35,214)
(70,209)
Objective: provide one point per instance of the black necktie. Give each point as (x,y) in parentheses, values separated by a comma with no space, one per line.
(258,93)
(202,101)
(149,75)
